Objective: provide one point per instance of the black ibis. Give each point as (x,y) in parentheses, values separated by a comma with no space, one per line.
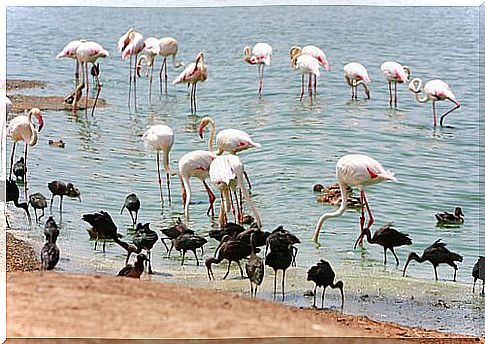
(254,268)
(145,238)
(38,201)
(445,218)
(282,238)
(230,228)
(189,242)
(19,169)
(136,269)
(12,195)
(58,188)
(388,238)
(436,254)
(102,224)
(478,272)
(173,232)
(279,258)
(51,230)
(323,276)
(132,204)
(50,253)
(259,237)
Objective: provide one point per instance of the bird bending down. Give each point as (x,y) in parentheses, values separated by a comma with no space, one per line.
(12,194)
(446,218)
(69,51)
(397,74)
(160,138)
(188,242)
(151,49)
(355,75)
(196,164)
(21,128)
(316,53)
(174,232)
(144,238)
(388,238)
(434,91)
(254,268)
(132,204)
(191,75)
(38,201)
(136,270)
(478,272)
(305,64)
(168,47)
(436,254)
(323,276)
(356,170)
(58,188)
(227,173)
(261,55)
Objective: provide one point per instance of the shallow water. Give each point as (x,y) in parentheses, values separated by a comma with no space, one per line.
(437,168)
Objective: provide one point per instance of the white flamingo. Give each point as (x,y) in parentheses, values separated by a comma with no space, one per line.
(261,54)
(152,49)
(192,74)
(160,138)
(129,45)
(226,172)
(168,47)
(305,64)
(356,170)
(69,51)
(397,74)
(355,75)
(196,164)
(434,90)
(314,52)
(21,128)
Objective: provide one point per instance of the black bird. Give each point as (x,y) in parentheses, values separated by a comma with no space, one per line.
(104,227)
(38,201)
(19,170)
(436,254)
(254,268)
(279,258)
(456,218)
(173,232)
(135,270)
(478,272)
(12,195)
(62,189)
(282,238)
(145,238)
(258,236)
(132,204)
(189,242)
(230,228)
(50,253)
(323,276)
(95,71)
(233,251)
(51,230)
(388,238)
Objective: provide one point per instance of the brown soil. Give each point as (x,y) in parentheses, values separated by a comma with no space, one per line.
(16,85)
(20,256)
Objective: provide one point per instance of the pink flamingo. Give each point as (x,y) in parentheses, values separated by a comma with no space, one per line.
(356,170)
(87,52)
(192,74)
(306,64)
(131,44)
(397,74)
(69,51)
(434,90)
(196,164)
(355,75)
(314,52)
(21,128)
(152,49)
(168,47)
(226,172)
(160,138)
(261,55)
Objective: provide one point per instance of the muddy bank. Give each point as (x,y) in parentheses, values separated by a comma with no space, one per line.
(20,256)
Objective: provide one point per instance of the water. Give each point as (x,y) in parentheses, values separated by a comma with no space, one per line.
(437,168)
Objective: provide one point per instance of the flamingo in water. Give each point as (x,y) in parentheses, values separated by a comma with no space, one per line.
(227,173)
(434,90)
(168,47)
(306,64)
(196,164)
(69,51)
(355,75)
(192,74)
(152,49)
(315,52)
(129,45)
(21,128)
(356,170)
(160,138)
(397,74)
(261,55)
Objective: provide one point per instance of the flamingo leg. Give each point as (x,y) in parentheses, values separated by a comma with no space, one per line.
(129,87)
(159,177)
(192,99)
(160,75)
(302,86)
(150,85)
(166,76)
(134,79)
(390,94)
(212,198)
(395,94)
(352,91)
(362,220)
(76,72)
(195,98)
(315,86)
(25,173)
(232,205)
(11,160)
(168,186)
(448,112)
(97,93)
(86,78)
(356,91)
(259,79)
(310,89)
(371,218)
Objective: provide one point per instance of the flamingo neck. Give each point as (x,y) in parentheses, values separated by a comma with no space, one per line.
(175,64)
(166,163)
(188,194)
(245,193)
(212,135)
(417,89)
(34,136)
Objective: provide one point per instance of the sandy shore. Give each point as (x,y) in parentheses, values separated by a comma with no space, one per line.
(52,304)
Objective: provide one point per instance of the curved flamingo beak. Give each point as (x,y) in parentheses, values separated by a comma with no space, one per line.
(201,131)
(326,65)
(40,120)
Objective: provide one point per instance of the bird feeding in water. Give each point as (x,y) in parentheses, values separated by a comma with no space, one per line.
(261,55)
(38,201)
(397,74)
(355,75)
(12,194)
(307,65)
(58,188)
(323,276)
(388,238)
(168,47)
(132,204)
(356,170)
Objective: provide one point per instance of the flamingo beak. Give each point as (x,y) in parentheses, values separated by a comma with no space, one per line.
(40,120)
(201,131)
(326,65)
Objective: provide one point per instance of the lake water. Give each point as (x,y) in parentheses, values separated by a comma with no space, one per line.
(437,168)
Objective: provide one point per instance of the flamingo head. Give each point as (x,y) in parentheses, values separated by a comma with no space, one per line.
(326,65)
(203,123)
(200,57)
(294,51)
(407,70)
(38,114)
(247,54)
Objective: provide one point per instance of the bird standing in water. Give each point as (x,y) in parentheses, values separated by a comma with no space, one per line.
(38,201)
(189,242)
(355,75)
(132,204)
(58,188)
(397,74)
(261,55)
(50,253)
(323,276)
(191,75)
(136,270)
(388,238)
(254,269)
(478,272)
(145,238)
(12,194)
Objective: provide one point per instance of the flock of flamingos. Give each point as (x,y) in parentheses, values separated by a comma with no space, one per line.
(226,171)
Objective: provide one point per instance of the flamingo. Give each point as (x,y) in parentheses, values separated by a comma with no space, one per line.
(87,52)
(261,55)
(397,74)
(355,75)
(306,64)
(226,172)
(356,170)
(129,45)
(196,164)
(192,74)
(315,52)
(160,138)
(435,90)
(21,128)
(168,47)
(69,51)
(152,49)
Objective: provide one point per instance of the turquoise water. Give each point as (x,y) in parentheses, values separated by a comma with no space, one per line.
(301,142)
